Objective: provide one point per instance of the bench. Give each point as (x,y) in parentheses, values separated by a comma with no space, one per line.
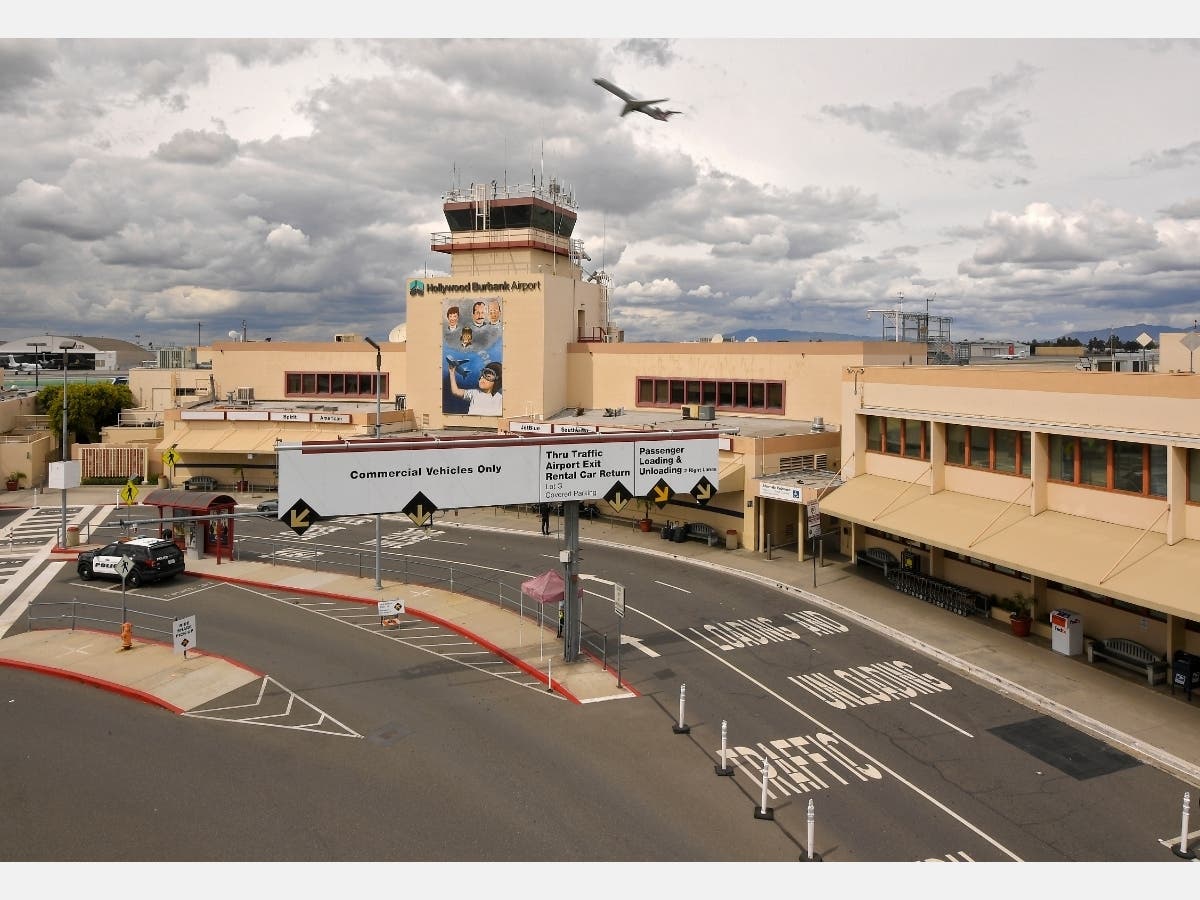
(879,558)
(200,483)
(698,531)
(1131,655)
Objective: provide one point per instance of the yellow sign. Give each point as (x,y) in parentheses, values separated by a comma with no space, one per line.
(129,493)
(170,456)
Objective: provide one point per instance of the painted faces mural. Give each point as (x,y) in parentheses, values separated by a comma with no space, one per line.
(472,356)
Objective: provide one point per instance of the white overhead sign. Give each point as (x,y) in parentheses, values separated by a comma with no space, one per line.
(774,491)
(419,475)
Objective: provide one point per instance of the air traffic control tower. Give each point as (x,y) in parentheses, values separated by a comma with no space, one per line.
(517,297)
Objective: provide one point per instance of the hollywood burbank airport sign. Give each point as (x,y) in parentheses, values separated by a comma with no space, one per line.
(420,475)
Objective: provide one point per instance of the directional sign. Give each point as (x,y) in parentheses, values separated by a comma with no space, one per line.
(703,491)
(457,472)
(124,566)
(184,631)
(300,517)
(660,494)
(420,510)
(618,496)
(129,493)
(619,599)
(390,608)
(170,457)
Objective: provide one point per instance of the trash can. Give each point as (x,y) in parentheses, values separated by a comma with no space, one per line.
(1066,632)
(679,535)
(1185,672)
(911,562)
(72,535)
(731,539)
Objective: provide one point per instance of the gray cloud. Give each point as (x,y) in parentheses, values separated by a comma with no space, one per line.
(651,51)
(198,147)
(973,123)
(1171,158)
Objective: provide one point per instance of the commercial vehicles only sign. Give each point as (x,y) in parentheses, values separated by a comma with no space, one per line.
(334,478)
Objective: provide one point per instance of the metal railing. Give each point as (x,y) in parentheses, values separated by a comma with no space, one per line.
(72,612)
(470,580)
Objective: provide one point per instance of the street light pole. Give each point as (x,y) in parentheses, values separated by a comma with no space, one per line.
(36,359)
(378,414)
(64,347)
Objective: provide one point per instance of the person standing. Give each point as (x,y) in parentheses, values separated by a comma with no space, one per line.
(562,614)
(544,509)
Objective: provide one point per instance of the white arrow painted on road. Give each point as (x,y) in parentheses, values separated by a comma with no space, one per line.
(637,644)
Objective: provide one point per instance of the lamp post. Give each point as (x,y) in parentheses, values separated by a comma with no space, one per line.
(64,347)
(198,324)
(378,414)
(36,359)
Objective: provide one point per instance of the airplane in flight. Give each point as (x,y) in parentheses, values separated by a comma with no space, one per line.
(22,367)
(632,104)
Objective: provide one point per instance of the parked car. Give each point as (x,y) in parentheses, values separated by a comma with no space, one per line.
(153,560)
(269,507)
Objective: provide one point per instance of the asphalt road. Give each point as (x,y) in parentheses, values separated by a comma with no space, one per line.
(420,757)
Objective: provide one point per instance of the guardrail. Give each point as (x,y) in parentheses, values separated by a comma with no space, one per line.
(472,580)
(75,611)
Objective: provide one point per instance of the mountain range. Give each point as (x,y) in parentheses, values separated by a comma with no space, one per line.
(1123,333)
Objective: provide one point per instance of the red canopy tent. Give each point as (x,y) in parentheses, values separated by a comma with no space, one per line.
(548,587)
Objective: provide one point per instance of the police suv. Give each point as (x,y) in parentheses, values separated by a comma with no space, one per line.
(153,559)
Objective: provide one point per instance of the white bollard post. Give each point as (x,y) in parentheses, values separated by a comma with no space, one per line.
(1183,850)
(724,768)
(812,820)
(550,675)
(681,728)
(762,811)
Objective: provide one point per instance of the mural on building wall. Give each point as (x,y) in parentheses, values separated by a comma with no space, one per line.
(472,356)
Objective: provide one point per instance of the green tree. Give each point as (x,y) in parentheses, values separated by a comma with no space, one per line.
(90,408)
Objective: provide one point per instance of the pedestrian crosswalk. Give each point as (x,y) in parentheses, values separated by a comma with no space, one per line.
(25,544)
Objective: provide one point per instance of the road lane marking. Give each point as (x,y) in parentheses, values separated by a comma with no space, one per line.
(792,706)
(673,587)
(940,719)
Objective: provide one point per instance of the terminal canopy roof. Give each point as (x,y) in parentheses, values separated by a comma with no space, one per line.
(195,501)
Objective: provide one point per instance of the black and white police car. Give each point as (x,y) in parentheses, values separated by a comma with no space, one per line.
(153,560)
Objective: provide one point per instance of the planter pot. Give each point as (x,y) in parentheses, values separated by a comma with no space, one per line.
(243,486)
(645,524)
(11,485)
(1020,627)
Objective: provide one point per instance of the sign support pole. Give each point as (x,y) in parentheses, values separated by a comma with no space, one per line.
(573,602)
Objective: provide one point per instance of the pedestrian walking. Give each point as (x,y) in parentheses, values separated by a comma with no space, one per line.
(562,614)
(544,509)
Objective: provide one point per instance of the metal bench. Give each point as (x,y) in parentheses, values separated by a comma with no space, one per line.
(1131,655)
(879,558)
(698,531)
(200,483)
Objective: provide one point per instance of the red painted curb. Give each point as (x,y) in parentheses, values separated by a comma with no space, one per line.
(93,681)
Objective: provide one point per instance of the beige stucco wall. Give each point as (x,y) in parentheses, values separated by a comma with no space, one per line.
(1143,408)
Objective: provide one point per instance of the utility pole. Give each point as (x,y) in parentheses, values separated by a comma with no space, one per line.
(378,420)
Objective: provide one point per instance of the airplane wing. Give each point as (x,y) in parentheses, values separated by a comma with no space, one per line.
(612,88)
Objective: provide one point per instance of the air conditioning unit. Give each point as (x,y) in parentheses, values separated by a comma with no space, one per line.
(708,412)
(345,338)
(690,411)
(245,394)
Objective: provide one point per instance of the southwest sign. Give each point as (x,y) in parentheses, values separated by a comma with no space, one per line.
(367,476)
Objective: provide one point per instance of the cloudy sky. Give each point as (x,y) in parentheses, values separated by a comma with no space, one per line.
(1031,187)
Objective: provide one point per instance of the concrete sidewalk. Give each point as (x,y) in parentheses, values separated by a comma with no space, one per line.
(1150,723)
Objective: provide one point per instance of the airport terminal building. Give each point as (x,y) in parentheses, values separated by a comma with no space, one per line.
(1078,488)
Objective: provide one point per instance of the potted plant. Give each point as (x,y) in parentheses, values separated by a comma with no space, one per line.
(645,523)
(242,484)
(14,480)
(1020,613)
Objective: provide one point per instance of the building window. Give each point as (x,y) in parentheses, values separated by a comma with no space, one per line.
(898,437)
(1110,465)
(1193,476)
(956,445)
(981,448)
(351,385)
(728,396)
